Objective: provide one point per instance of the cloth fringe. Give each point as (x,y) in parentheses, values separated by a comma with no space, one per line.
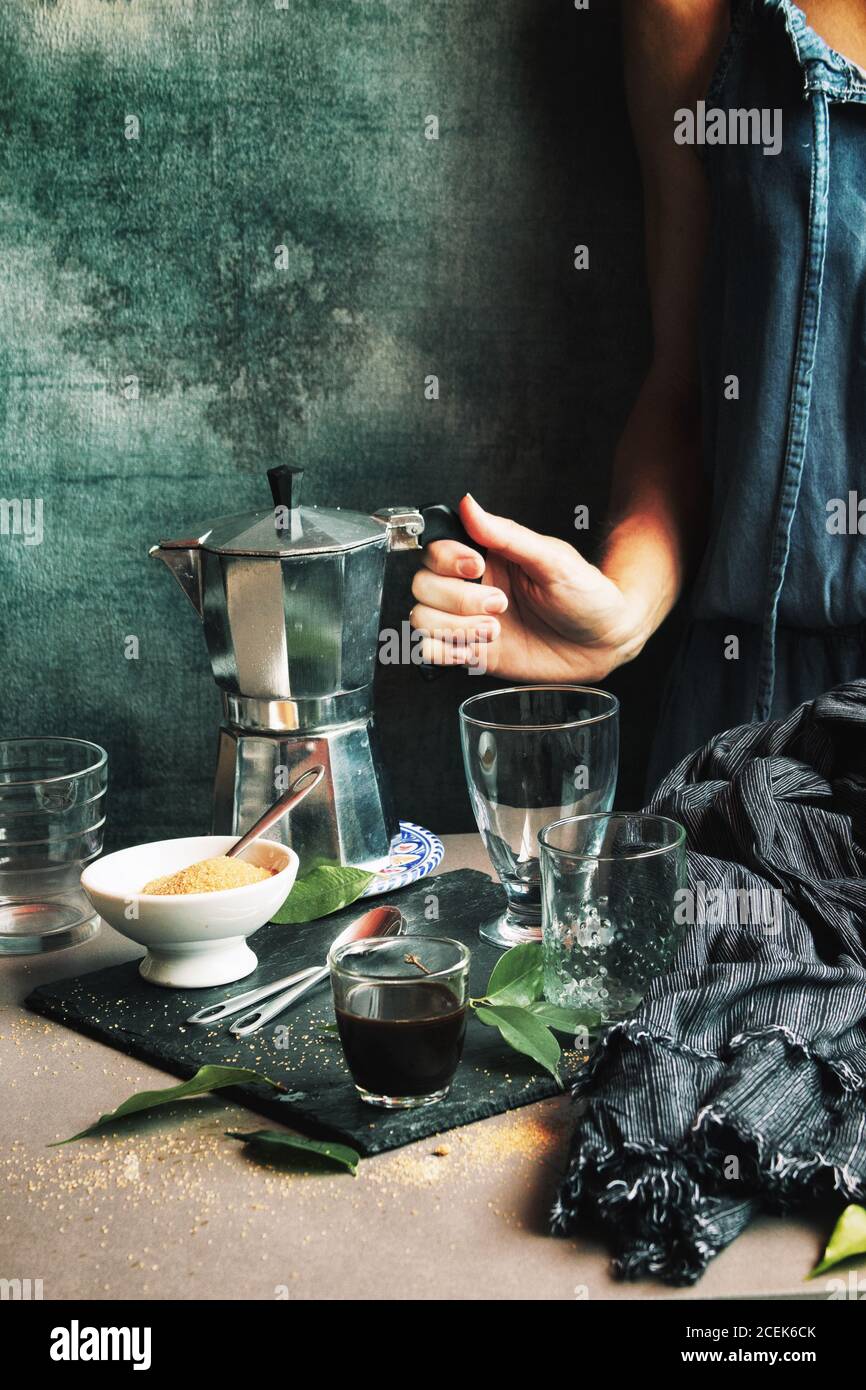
(667,1210)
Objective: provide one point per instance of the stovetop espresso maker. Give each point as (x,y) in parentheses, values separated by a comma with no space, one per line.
(289,599)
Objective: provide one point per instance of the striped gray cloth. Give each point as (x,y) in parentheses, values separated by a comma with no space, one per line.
(738,1084)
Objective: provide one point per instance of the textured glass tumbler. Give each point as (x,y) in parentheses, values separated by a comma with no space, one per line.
(52,818)
(533,754)
(609,890)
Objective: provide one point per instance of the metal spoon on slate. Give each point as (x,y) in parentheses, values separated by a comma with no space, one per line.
(378,921)
(212,1013)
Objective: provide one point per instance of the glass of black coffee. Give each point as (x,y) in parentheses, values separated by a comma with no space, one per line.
(401,1010)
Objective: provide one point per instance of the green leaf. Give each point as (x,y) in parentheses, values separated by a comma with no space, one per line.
(206,1079)
(848,1239)
(522,1031)
(516,977)
(564,1020)
(281,1143)
(323,890)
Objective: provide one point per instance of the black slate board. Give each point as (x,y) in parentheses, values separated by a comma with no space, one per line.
(119,1008)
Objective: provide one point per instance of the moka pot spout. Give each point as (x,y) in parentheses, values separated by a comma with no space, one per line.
(184,560)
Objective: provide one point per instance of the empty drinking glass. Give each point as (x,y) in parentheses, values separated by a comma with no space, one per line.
(609,889)
(533,754)
(52,817)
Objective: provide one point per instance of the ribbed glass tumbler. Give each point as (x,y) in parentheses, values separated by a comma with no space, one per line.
(52,818)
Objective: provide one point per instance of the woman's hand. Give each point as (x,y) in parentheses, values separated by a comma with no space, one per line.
(541,613)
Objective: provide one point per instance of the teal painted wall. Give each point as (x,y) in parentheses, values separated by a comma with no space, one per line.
(153,259)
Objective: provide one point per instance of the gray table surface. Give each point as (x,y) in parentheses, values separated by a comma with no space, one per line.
(176,1211)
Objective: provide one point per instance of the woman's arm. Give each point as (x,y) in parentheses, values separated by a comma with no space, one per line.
(670,48)
(543,612)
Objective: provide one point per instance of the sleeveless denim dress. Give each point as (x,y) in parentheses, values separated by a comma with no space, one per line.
(784,311)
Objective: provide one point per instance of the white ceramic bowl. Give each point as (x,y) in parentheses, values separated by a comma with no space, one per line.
(193,940)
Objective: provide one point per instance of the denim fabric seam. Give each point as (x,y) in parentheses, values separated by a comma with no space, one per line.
(799,402)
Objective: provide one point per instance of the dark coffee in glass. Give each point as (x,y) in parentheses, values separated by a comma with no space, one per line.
(401,1011)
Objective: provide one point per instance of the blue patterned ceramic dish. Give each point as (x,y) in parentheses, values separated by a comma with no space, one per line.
(415,852)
